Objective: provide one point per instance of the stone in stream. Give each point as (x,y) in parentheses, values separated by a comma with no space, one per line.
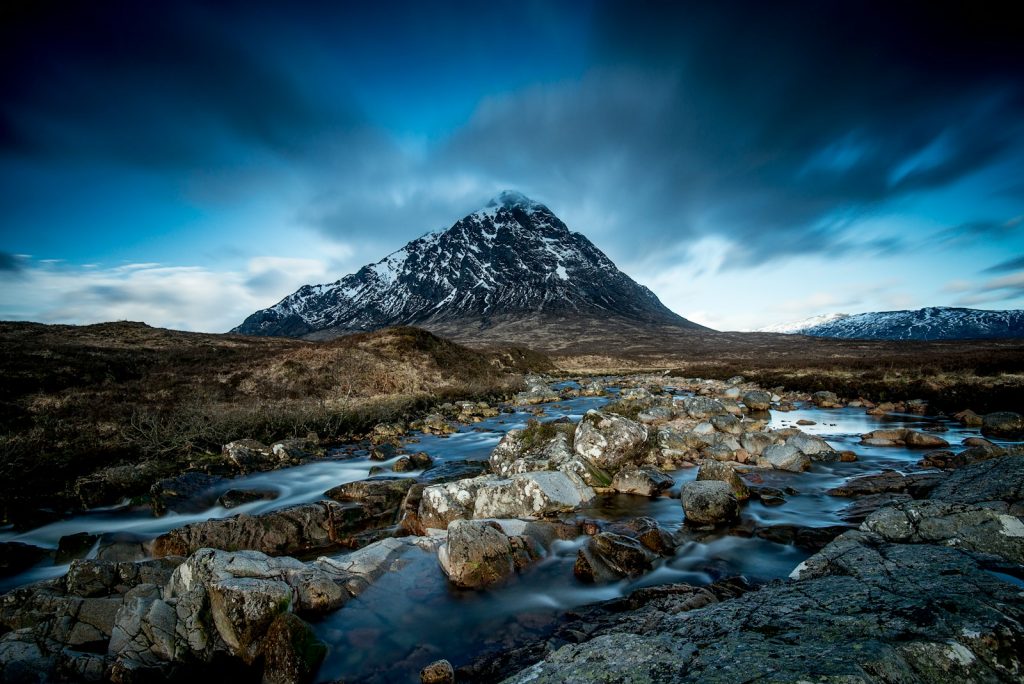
(785,457)
(477,554)
(381,497)
(641,480)
(185,493)
(708,502)
(233,498)
(723,472)
(997,483)
(826,399)
(609,556)
(544,446)
(249,455)
(700,408)
(295,529)
(532,495)
(904,437)
(291,651)
(917,485)
(969,418)
(608,441)
(73,546)
(757,400)
(1003,424)
(438,672)
(418,461)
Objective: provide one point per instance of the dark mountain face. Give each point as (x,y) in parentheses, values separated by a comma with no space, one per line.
(512,258)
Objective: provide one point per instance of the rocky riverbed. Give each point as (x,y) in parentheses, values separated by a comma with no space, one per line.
(639,528)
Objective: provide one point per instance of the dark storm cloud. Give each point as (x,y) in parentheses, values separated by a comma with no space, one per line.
(10,263)
(1008,266)
(776,125)
(166,85)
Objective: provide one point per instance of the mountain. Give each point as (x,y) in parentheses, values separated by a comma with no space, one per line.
(805,324)
(513,260)
(931,323)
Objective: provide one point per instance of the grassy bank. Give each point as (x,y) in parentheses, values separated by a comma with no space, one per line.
(78,399)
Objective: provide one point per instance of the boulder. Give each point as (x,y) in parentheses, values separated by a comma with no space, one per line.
(476,555)
(72,546)
(18,556)
(918,485)
(442,503)
(969,418)
(723,472)
(291,651)
(233,498)
(380,497)
(811,445)
(530,495)
(701,408)
(826,399)
(903,437)
(249,455)
(438,672)
(754,443)
(111,485)
(785,457)
(612,555)
(708,502)
(757,400)
(996,483)
(963,526)
(291,530)
(641,480)
(1003,424)
(185,493)
(544,446)
(607,440)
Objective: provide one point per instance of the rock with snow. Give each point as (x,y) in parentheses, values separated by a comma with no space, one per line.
(931,323)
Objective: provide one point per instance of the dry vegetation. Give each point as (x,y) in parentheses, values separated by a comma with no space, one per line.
(76,399)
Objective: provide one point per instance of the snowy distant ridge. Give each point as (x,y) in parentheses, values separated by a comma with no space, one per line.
(931,323)
(512,257)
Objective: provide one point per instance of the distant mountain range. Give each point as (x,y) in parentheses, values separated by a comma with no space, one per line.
(511,261)
(931,323)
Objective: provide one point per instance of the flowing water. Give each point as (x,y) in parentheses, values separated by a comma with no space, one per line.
(413,616)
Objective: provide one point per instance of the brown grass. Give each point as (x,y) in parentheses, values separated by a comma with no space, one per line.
(77,399)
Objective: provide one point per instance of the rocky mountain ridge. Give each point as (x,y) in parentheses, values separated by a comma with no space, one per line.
(930,323)
(513,258)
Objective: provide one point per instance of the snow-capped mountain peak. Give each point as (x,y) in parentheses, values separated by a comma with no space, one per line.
(512,257)
(930,323)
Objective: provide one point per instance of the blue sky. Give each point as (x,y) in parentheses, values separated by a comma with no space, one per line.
(752,163)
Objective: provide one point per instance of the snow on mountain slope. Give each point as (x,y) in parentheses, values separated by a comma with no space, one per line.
(805,324)
(513,257)
(931,323)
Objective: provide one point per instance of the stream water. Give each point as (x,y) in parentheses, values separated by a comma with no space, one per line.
(413,616)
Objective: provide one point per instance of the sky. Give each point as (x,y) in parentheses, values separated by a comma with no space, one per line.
(753,163)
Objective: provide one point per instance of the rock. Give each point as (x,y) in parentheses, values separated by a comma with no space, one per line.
(291,651)
(728,424)
(969,418)
(435,424)
(544,446)
(243,609)
(233,498)
(249,455)
(754,443)
(655,414)
(865,505)
(736,380)
(612,555)
(445,502)
(917,485)
(290,530)
(185,493)
(902,436)
(806,538)
(757,400)
(418,461)
(73,546)
(700,408)
(607,440)
(291,451)
(723,472)
(530,495)
(537,394)
(826,399)
(708,502)
(997,483)
(641,480)
(122,547)
(380,497)
(924,440)
(476,555)
(17,556)
(804,421)
(387,432)
(438,672)
(786,457)
(810,445)
(861,610)
(1003,424)
(111,485)
(959,525)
